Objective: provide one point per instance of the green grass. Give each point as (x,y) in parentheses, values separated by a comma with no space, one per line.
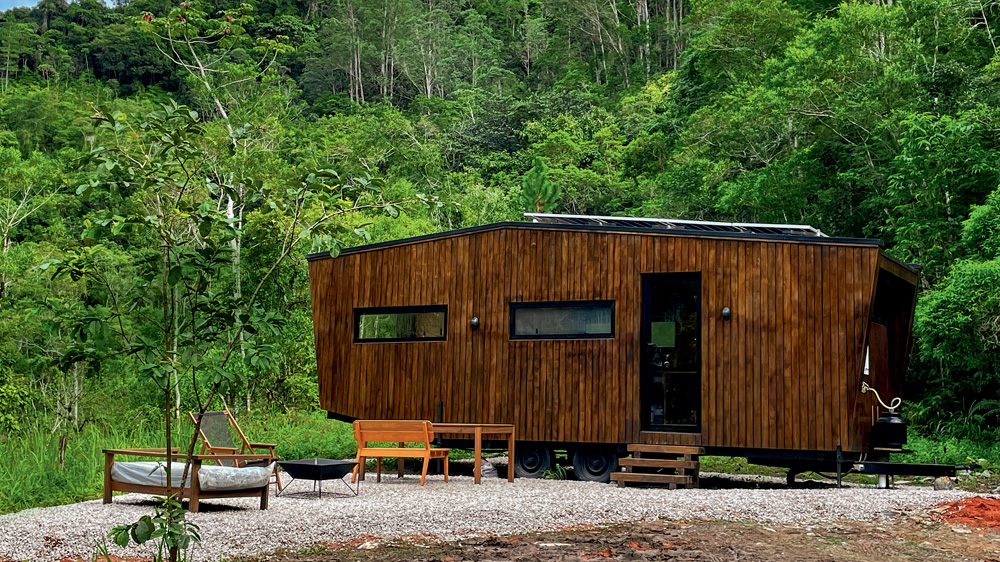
(29,466)
(301,435)
(30,475)
(737,465)
(984,449)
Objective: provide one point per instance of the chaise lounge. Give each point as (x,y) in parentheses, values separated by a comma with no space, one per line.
(203,482)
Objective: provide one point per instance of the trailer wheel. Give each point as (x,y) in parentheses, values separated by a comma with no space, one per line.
(531,461)
(594,465)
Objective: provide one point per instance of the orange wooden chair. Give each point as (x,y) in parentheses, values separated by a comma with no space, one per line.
(420,432)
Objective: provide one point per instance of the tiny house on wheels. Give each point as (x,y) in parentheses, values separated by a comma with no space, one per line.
(597,336)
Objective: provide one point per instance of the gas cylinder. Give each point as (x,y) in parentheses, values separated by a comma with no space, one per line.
(889,431)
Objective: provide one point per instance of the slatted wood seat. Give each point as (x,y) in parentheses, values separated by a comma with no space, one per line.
(419,432)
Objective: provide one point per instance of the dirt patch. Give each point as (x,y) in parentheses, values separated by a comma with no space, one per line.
(910,538)
(976,511)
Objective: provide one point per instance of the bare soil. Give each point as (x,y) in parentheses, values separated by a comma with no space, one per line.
(910,537)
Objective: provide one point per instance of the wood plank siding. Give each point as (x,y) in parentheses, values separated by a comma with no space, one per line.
(783,373)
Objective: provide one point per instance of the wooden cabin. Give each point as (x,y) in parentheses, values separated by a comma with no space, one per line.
(594,334)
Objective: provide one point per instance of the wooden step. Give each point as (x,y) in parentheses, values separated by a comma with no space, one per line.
(665,449)
(657,463)
(651,478)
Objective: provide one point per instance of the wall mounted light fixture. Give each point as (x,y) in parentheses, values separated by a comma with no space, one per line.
(475,322)
(727,314)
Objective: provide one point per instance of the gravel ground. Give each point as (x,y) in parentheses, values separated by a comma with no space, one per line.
(401,507)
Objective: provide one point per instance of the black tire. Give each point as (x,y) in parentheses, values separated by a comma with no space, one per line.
(532,461)
(594,465)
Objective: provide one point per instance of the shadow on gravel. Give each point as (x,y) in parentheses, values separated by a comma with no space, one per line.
(723,483)
(204,506)
(714,482)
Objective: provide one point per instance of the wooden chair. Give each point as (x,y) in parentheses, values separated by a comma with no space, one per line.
(420,432)
(216,431)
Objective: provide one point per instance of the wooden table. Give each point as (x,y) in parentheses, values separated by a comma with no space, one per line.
(478,430)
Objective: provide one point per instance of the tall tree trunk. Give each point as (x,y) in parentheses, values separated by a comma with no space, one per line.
(354,53)
(386,64)
(679,42)
(5,247)
(177,330)
(642,20)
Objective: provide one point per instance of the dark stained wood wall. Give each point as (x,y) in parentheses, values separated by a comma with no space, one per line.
(783,373)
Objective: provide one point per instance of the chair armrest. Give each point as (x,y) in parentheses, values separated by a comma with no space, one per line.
(263,445)
(235,457)
(161,452)
(177,456)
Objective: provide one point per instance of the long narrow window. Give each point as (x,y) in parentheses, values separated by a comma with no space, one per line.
(400,323)
(555,320)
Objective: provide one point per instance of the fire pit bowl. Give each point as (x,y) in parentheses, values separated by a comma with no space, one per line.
(319,470)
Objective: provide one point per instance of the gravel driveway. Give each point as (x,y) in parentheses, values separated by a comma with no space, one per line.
(459,508)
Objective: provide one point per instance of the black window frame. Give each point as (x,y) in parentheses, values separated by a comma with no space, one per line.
(372,310)
(515,306)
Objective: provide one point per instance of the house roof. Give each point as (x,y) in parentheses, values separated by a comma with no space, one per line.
(634,225)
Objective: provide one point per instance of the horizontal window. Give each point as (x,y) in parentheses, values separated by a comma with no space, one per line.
(590,319)
(400,323)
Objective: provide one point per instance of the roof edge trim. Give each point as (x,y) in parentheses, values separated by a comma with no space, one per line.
(824,240)
(553,219)
(911,268)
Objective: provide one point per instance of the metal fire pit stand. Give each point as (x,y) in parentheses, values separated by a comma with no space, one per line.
(319,470)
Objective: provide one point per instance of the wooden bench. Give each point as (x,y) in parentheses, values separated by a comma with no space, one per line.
(395,431)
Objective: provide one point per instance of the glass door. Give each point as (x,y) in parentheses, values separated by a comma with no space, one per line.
(671,330)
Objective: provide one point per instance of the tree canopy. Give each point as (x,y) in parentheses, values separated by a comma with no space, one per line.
(871,118)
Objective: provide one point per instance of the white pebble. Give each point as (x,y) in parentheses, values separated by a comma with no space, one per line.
(398,508)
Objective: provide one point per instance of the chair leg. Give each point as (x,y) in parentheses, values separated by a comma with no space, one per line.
(109,461)
(195,486)
(446,468)
(423,474)
(263,498)
(378,469)
(277,477)
(359,471)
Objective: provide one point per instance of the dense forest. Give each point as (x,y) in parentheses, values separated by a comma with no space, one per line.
(164,167)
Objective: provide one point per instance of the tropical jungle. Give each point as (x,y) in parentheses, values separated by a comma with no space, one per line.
(166,166)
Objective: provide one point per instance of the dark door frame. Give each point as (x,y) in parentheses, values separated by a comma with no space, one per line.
(648,280)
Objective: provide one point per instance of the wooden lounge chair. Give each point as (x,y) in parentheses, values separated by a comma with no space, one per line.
(216,433)
(149,477)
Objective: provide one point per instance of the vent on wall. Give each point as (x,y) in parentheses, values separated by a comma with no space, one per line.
(677,224)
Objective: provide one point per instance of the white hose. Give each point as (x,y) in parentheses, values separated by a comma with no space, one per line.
(892,405)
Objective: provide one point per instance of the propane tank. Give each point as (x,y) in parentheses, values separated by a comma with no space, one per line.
(889,431)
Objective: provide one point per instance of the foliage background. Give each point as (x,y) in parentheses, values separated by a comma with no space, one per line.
(863,118)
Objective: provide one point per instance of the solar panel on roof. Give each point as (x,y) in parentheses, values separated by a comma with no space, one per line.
(676,224)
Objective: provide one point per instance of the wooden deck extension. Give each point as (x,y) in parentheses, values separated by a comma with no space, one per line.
(672,465)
